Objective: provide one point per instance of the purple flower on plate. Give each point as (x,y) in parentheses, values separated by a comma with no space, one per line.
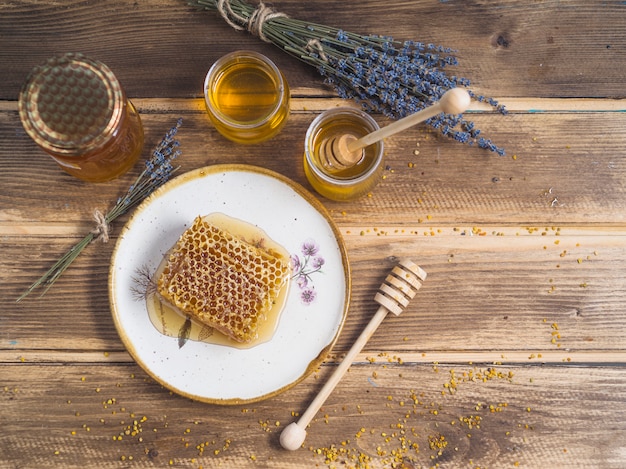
(308,296)
(305,266)
(309,248)
(302,282)
(295,262)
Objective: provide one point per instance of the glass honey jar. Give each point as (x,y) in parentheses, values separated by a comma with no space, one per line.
(246,97)
(75,109)
(329,176)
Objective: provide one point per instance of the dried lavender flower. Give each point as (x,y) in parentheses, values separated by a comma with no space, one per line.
(158,170)
(384,75)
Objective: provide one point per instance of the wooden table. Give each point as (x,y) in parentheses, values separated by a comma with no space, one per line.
(511,355)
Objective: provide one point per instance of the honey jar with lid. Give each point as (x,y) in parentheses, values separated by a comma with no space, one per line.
(75,109)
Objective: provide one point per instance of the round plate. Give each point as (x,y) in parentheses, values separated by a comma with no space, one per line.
(317,301)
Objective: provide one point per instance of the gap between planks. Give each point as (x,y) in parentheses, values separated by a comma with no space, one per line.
(63,229)
(373,357)
(300,102)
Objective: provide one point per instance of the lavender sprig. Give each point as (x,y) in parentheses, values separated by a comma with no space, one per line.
(158,170)
(384,75)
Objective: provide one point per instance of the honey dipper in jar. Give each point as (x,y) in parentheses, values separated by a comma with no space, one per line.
(343,150)
(347,150)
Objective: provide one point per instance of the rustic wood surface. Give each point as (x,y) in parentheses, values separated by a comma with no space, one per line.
(511,355)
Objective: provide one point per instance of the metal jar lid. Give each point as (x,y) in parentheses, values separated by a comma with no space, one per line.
(71,104)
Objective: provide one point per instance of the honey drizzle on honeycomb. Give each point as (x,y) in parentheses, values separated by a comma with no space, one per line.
(222,281)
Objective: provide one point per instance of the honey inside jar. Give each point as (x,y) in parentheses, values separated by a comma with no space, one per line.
(247,97)
(341,183)
(245,93)
(114,158)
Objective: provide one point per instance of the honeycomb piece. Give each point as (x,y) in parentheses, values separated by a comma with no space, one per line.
(222,281)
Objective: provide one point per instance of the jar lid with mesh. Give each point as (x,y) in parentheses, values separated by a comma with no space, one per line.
(71,104)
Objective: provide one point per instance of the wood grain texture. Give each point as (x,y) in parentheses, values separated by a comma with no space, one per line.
(447,181)
(512,49)
(517,416)
(511,355)
(482,292)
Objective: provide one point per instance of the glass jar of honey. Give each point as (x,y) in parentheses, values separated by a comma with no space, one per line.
(246,97)
(329,175)
(74,108)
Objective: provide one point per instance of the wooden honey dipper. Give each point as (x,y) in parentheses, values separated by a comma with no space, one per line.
(346,150)
(399,287)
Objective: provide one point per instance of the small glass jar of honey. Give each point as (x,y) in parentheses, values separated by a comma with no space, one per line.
(75,109)
(330,177)
(247,97)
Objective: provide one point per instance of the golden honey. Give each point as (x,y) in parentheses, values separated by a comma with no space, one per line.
(247,97)
(170,321)
(338,183)
(74,108)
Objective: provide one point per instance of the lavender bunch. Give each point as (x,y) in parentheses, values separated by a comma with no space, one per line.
(158,170)
(387,76)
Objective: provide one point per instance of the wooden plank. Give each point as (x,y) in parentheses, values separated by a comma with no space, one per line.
(497,416)
(547,178)
(514,49)
(502,291)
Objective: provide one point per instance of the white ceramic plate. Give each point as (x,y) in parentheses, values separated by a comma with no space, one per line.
(306,331)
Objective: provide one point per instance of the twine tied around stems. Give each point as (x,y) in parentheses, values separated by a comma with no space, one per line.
(101,231)
(254,24)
